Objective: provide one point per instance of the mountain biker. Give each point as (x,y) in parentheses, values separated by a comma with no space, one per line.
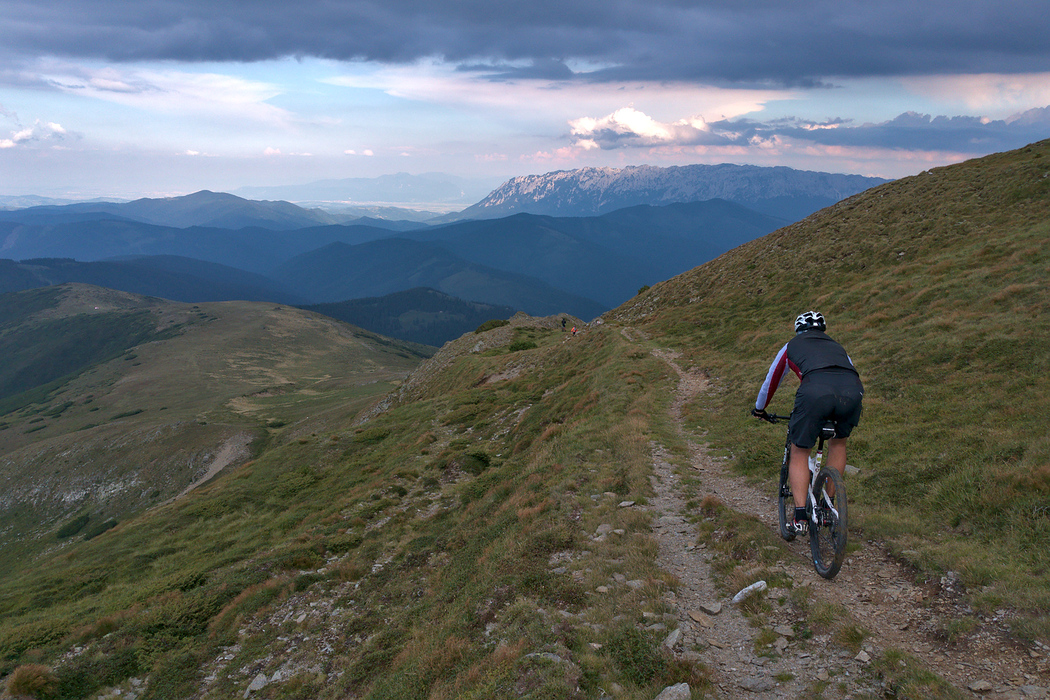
(830,390)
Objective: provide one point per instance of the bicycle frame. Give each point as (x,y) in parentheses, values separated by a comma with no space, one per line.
(816,461)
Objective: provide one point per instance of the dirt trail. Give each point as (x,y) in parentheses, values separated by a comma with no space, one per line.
(880,594)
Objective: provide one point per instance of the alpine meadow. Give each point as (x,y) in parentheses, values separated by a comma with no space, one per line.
(489,521)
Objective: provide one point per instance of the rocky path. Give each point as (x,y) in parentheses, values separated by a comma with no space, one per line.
(880,594)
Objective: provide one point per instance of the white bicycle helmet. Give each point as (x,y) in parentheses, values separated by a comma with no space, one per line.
(810,320)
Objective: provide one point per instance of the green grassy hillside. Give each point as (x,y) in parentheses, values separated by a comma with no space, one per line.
(937,286)
(113,402)
(471,536)
(423,525)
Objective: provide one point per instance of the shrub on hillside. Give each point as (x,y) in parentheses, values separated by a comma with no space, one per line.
(32,681)
(521,345)
(73,527)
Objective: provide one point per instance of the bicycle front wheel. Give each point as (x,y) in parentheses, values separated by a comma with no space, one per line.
(827,536)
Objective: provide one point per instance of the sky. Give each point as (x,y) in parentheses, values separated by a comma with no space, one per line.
(132,98)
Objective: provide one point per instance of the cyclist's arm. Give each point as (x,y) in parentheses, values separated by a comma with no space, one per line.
(773,377)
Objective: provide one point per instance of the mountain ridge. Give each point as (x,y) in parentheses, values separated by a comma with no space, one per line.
(202,208)
(114,381)
(777,191)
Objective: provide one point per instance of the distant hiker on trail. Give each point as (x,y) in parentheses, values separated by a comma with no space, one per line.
(830,390)
(563,323)
(574,330)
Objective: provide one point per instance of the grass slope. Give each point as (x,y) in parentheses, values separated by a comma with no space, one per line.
(435,530)
(936,285)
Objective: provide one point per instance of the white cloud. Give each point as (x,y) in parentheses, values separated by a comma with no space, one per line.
(40,131)
(629,127)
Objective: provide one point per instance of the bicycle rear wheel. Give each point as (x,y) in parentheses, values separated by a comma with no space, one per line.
(785,505)
(827,536)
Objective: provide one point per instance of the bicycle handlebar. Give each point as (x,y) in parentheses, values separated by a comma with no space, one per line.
(768,417)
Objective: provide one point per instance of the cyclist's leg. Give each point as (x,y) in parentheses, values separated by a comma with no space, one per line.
(848,397)
(836,460)
(798,474)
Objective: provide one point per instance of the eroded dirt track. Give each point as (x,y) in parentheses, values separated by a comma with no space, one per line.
(880,594)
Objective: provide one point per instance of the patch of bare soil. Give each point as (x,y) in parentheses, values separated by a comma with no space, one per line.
(235,449)
(883,596)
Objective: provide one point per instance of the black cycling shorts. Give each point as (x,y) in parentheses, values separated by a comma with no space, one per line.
(824,396)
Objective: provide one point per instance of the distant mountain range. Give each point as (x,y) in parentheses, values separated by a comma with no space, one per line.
(539,264)
(204,208)
(781,192)
(606,258)
(599,236)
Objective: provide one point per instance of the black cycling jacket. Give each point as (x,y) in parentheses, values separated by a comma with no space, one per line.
(807,352)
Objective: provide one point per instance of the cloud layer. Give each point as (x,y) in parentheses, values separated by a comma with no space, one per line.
(222,93)
(800,43)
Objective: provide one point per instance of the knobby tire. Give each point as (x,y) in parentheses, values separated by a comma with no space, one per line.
(827,539)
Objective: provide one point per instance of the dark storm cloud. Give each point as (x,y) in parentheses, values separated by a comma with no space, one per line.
(715,41)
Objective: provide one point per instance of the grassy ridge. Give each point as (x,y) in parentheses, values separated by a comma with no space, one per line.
(936,286)
(124,433)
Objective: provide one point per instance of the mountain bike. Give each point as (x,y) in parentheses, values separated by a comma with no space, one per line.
(827,514)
